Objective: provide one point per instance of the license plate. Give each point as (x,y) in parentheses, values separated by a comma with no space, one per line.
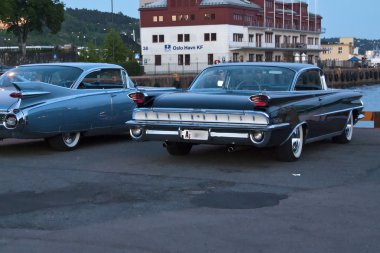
(194,135)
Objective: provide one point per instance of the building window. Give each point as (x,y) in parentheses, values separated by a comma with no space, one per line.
(268,37)
(213,36)
(235,57)
(251,57)
(295,40)
(174,18)
(187,37)
(209,16)
(303,39)
(250,37)
(183,37)
(340,50)
(154,38)
(258,39)
(180,59)
(160,18)
(259,57)
(187,59)
(157,60)
(238,17)
(238,37)
(310,41)
(207,37)
(161,38)
(277,58)
(210,59)
(316,41)
(155,18)
(180,37)
(277,41)
(268,56)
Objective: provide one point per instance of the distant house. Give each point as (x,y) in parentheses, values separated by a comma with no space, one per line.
(342,51)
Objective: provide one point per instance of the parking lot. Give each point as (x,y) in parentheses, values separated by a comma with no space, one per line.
(116,195)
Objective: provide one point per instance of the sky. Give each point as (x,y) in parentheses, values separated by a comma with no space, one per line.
(341,18)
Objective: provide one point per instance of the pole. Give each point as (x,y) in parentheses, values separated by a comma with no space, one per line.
(265,13)
(274,14)
(315,14)
(300,15)
(308,15)
(113,39)
(292,15)
(283,14)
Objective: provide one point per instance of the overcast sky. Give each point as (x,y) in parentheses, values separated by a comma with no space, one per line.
(341,18)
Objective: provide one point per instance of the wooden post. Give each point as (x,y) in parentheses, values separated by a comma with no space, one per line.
(376,119)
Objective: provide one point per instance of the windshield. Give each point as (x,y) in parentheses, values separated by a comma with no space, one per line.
(58,75)
(249,77)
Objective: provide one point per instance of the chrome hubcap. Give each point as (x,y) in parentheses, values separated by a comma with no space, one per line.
(297,140)
(70,139)
(349,128)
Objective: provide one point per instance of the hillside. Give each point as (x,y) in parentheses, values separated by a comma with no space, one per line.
(82,26)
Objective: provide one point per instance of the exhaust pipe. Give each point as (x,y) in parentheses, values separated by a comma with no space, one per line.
(231,149)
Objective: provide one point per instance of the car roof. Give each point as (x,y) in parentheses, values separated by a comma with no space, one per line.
(293,66)
(81,65)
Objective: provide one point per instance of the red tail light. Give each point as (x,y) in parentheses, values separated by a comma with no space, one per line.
(260,100)
(137,97)
(16,95)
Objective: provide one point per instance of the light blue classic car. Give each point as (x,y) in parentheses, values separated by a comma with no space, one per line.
(62,102)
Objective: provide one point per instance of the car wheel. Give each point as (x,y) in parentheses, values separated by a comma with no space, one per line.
(291,150)
(346,135)
(178,148)
(65,141)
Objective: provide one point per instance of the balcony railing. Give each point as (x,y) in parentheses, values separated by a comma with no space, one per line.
(282,26)
(300,46)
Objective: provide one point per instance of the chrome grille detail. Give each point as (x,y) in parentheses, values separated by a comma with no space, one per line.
(206,116)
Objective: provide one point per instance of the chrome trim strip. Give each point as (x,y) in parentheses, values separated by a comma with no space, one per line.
(160,132)
(322,137)
(154,124)
(229,135)
(339,111)
(292,132)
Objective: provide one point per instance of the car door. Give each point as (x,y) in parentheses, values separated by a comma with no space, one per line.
(311,108)
(121,105)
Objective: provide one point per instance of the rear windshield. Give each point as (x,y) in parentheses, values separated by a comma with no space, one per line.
(63,76)
(250,77)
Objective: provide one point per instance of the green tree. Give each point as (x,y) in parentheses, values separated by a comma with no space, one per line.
(114,48)
(90,54)
(25,16)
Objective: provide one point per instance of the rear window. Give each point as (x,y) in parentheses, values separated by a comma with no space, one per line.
(63,76)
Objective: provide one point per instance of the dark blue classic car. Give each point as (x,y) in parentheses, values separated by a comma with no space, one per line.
(280,105)
(62,102)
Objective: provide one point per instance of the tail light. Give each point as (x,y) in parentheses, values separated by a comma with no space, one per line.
(260,100)
(137,97)
(16,95)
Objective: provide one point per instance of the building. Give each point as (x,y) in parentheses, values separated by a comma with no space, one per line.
(188,35)
(342,51)
(144,2)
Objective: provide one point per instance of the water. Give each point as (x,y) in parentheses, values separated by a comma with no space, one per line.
(371,97)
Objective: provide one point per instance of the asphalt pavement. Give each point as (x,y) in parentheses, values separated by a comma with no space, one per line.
(116,195)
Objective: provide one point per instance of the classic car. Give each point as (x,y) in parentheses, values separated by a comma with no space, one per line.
(280,105)
(64,101)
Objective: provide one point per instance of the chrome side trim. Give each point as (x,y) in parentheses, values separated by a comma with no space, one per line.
(292,132)
(339,111)
(229,135)
(322,137)
(160,132)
